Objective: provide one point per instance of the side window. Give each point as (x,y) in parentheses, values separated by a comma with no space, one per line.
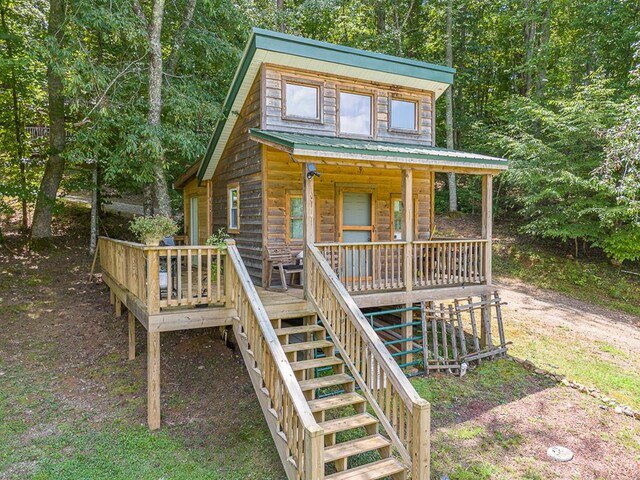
(233,206)
(294,217)
(356,114)
(302,101)
(403,115)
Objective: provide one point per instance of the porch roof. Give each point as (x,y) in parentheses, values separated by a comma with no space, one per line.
(330,147)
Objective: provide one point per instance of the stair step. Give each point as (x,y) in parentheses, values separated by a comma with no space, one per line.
(323,382)
(299,329)
(301,346)
(316,363)
(347,423)
(336,401)
(355,447)
(370,471)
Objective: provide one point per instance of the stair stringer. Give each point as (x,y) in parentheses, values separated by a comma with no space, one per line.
(279,438)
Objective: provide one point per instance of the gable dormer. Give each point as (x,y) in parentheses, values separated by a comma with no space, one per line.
(338,71)
(296,100)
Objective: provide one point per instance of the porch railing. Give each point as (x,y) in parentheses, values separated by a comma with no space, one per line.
(367,266)
(163,277)
(376,266)
(448,262)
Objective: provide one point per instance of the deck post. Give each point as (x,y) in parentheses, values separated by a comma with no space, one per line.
(421,441)
(153,380)
(309,227)
(313,454)
(153,282)
(132,336)
(487,224)
(407,226)
(407,332)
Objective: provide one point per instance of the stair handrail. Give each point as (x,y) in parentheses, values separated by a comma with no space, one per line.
(404,415)
(305,438)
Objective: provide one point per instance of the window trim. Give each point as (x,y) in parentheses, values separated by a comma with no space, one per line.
(319,86)
(418,104)
(288,196)
(373,115)
(230,188)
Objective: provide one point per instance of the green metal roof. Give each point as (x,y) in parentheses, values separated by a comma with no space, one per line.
(318,145)
(273,44)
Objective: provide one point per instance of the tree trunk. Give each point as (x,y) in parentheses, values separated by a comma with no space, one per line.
(43,214)
(380,18)
(95,208)
(545,35)
(280,13)
(155,104)
(530,28)
(451,177)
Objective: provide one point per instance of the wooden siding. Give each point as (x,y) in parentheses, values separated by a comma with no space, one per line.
(272,114)
(284,175)
(191,189)
(241,162)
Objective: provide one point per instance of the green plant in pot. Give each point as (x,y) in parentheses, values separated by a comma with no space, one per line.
(150,230)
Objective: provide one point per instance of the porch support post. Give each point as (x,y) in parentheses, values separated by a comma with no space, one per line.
(309,223)
(487,224)
(407,226)
(153,380)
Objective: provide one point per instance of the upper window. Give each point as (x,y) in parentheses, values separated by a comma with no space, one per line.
(233,214)
(404,115)
(301,101)
(355,114)
(294,216)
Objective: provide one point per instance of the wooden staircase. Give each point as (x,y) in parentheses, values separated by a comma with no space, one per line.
(321,426)
(354,448)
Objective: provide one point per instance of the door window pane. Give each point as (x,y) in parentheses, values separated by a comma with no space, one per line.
(301,101)
(355,113)
(403,115)
(356,209)
(295,218)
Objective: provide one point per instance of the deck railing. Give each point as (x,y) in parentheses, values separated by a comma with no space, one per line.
(404,415)
(367,266)
(163,277)
(304,438)
(448,262)
(375,266)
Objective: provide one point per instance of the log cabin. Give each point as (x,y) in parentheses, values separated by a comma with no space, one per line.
(321,167)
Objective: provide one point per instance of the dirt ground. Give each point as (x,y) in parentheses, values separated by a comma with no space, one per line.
(59,332)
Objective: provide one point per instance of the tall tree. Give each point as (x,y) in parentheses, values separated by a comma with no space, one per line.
(54,169)
(451,177)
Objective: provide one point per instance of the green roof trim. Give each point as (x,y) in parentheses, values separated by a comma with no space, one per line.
(298,143)
(313,49)
(330,52)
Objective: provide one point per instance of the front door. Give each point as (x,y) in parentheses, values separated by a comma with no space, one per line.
(357,227)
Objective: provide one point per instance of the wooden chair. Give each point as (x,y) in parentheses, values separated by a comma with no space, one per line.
(281,259)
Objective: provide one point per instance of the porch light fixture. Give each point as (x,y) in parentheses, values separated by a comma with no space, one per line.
(311,171)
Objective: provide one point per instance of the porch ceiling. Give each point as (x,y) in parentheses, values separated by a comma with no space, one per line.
(330,148)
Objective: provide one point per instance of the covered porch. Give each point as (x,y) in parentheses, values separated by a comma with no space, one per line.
(369,209)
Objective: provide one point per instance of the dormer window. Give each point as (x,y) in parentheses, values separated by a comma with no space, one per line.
(302,101)
(403,115)
(356,114)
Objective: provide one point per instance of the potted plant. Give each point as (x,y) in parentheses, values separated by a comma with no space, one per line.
(150,230)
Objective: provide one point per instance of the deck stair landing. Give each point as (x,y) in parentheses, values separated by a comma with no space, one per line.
(354,447)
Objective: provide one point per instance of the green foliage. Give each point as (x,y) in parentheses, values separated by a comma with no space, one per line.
(554,149)
(218,239)
(150,230)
